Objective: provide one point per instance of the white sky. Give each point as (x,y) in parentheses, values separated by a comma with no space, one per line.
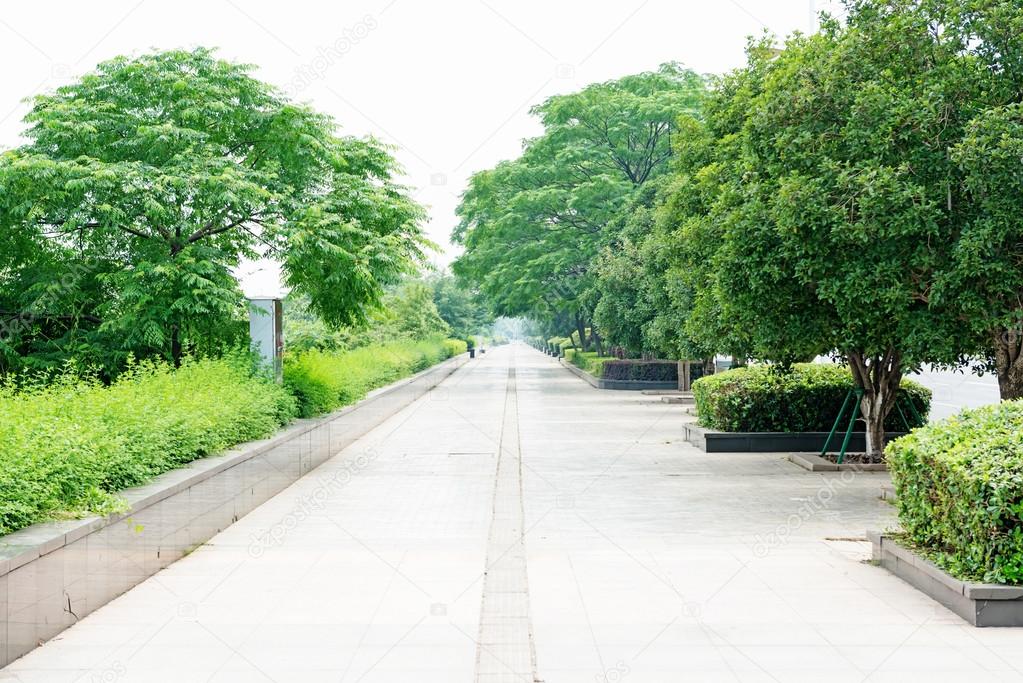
(449,83)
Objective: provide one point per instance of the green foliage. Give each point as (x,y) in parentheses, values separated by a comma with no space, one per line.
(408,312)
(459,305)
(531,227)
(68,448)
(150,179)
(805,398)
(587,360)
(455,347)
(324,381)
(641,370)
(959,485)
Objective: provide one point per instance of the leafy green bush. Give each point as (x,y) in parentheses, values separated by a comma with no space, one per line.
(641,370)
(67,448)
(325,381)
(586,360)
(608,367)
(959,487)
(455,347)
(764,398)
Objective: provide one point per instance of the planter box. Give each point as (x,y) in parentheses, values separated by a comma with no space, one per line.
(978,603)
(815,463)
(53,574)
(618,384)
(715,441)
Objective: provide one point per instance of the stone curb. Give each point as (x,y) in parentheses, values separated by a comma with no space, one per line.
(980,604)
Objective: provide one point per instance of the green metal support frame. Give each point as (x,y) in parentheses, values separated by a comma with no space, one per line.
(858,393)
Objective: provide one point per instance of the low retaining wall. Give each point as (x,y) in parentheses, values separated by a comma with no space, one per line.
(619,384)
(980,604)
(55,573)
(715,441)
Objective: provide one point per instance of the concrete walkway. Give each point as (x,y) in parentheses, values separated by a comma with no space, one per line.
(642,560)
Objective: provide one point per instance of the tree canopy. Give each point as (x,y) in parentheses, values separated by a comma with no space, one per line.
(532,226)
(146,182)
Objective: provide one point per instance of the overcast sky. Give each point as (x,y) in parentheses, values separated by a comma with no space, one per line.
(448,83)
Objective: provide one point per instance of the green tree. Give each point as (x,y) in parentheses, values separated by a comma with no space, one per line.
(532,227)
(409,312)
(986,280)
(845,199)
(157,175)
(460,305)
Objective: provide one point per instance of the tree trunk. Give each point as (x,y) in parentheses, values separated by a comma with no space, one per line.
(709,366)
(1009,363)
(580,328)
(175,249)
(595,339)
(176,345)
(879,378)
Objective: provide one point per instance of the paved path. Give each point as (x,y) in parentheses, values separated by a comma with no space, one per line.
(643,560)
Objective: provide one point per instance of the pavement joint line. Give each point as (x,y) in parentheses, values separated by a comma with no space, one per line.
(500,586)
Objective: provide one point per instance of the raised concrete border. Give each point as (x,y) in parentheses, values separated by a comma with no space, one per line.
(716,441)
(617,384)
(980,604)
(53,574)
(815,463)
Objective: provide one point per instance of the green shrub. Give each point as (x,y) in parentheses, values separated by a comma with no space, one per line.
(455,347)
(641,370)
(66,449)
(764,398)
(959,487)
(325,381)
(586,360)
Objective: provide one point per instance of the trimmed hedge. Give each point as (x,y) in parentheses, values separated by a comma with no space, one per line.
(586,360)
(66,449)
(324,381)
(959,488)
(608,367)
(641,370)
(764,398)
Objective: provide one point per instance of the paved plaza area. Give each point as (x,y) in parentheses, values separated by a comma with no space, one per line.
(518,525)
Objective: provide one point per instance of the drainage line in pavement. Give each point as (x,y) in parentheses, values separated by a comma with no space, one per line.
(505,649)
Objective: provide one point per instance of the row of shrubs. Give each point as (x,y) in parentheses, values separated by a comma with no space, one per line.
(804,398)
(324,381)
(67,447)
(607,367)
